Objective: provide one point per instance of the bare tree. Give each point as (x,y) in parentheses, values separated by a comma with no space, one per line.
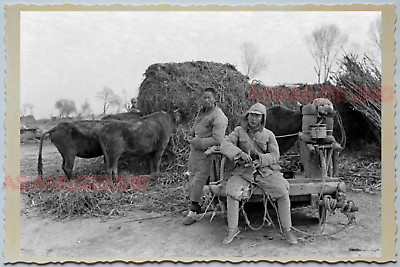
(324,44)
(30,107)
(126,101)
(375,33)
(353,48)
(85,109)
(109,98)
(25,108)
(65,107)
(254,62)
(118,103)
(374,46)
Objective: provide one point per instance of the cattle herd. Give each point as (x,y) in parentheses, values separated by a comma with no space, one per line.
(124,130)
(143,135)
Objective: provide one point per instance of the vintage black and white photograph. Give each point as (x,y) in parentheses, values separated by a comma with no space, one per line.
(201,134)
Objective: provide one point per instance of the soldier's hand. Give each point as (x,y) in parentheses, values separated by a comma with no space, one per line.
(189,138)
(254,154)
(245,157)
(257,163)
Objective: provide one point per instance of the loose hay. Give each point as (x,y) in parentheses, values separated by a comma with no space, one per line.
(166,193)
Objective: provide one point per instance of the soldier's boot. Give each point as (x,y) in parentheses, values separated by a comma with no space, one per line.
(290,237)
(232,233)
(190,218)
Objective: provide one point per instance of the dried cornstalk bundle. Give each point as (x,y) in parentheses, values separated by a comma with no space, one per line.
(361,82)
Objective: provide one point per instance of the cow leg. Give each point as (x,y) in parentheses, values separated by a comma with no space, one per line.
(155,160)
(115,171)
(68,166)
(113,167)
(68,155)
(110,171)
(107,173)
(151,163)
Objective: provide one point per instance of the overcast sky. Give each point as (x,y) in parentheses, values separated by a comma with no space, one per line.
(75,54)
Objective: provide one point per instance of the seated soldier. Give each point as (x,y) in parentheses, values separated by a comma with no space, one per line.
(256,151)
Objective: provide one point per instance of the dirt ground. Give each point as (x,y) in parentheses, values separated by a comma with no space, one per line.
(143,234)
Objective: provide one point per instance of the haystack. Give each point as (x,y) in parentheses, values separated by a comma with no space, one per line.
(169,86)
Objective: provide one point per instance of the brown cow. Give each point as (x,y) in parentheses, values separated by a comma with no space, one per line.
(148,135)
(77,139)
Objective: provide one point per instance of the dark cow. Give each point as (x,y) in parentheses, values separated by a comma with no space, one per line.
(286,124)
(78,139)
(123,116)
(148,135)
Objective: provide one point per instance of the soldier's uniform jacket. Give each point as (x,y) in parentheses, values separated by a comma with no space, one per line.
(208,130)
(267,147)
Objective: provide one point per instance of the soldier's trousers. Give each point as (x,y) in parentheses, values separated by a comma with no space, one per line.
(198,178)
(238,189)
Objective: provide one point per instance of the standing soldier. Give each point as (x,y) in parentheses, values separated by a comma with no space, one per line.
(208,130)
(133,107)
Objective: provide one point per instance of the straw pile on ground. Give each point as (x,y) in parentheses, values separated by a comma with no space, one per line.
(164,194)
